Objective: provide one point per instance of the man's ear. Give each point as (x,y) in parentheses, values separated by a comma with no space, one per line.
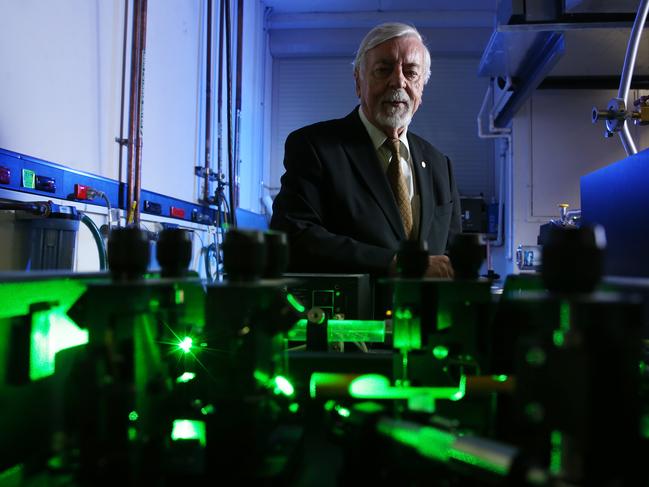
(357,84)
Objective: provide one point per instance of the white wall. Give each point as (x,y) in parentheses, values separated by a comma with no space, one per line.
(255,106)
(55,79)
(172,102)
(60,86)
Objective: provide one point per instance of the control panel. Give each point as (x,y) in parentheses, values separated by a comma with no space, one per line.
(28,174)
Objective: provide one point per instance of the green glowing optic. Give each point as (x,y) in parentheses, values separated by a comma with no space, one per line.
(186,344)
(209,409)
(313,387)
(461,390)
(369,407)
(559,335)
(330,405)
(479,461)
(344,412)
(444,319)
(555,452)
(284,386)
(132,433)
(375,386)
(189,429)
(403,314)
(345,331)
(292,300)
(132,416)
(52,331)
(294,407)
(406,329)
(440,352)
(535,356)
(428,441)
(499,378)
(186,377)
(262,377)
(369,385)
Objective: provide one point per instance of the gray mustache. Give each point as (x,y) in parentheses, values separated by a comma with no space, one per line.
(397,96)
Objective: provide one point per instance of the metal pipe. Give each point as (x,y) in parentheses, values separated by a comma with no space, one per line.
(228,62)
(627,71)
(208,105)
(627,140)
(138,153)
(121,140)
(632,50)
(218,196)
(133,94)
(237,126)
(496,133)
(219,103)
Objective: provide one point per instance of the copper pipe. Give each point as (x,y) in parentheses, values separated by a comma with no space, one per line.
(134,84)
(477,385)
(138,152)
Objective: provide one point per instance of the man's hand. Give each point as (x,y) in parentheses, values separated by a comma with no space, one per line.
(439,266)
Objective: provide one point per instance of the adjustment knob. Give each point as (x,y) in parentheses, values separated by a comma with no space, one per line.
(244,255)
(128,253)
(467,252)
(174,252)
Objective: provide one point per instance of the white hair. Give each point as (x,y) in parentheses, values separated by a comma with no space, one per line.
(385,32)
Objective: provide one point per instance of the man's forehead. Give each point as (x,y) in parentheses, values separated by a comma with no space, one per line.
(408,48)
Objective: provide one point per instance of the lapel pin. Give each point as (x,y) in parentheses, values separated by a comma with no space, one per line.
(423,164)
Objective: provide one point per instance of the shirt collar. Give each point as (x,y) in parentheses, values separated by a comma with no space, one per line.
(377,136)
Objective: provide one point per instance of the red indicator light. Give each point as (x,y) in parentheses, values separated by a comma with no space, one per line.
(177,212)
(80,192)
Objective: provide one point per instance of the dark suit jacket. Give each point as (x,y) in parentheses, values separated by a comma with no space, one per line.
(337,207)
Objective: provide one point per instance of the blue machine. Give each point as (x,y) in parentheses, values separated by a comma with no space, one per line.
(617,197)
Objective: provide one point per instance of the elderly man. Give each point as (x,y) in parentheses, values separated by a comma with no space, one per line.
(355,187)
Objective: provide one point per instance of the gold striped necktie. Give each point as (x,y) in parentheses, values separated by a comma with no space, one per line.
(399,186)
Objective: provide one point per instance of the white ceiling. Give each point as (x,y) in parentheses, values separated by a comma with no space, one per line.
(331,6)
(335,27)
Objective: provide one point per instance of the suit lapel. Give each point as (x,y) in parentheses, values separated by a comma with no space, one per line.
(358,146)
(423,180)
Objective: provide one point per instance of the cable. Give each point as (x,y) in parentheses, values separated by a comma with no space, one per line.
(208,263)
(110,217)
(92,226)
(94,193)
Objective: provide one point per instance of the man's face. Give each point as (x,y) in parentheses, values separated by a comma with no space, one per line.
(390,82)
